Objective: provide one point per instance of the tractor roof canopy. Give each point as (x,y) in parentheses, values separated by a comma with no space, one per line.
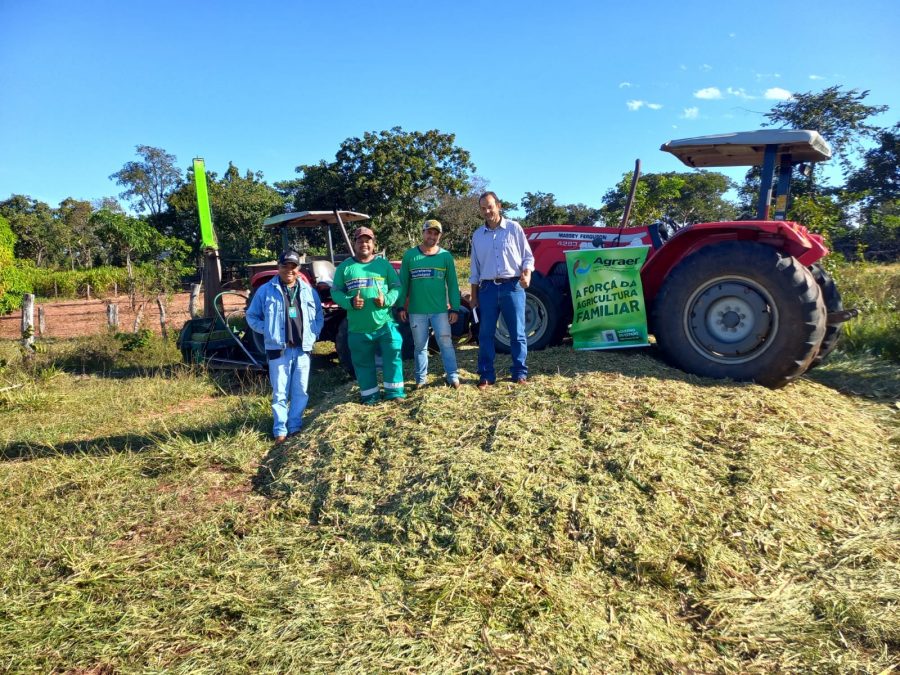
(747,148)
(313,218)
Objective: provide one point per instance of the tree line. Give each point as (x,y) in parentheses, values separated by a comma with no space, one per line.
(402,177)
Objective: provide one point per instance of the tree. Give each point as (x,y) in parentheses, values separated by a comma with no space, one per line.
(459,216)
(397,177)
(125,238)
(541,209)
(581,214)
(840,116)
(239,206)
(879,176)
(81,243)
(685,198)
(149,183)
(37,231)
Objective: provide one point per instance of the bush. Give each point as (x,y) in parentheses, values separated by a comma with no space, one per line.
(73,283)
(14,283)
(873,289)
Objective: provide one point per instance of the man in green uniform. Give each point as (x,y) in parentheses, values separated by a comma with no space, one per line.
(428,281)
(367,287)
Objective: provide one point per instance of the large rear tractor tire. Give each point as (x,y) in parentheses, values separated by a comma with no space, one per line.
(833,303)
(408,350)
(544,325)
(342,347)
(740,310)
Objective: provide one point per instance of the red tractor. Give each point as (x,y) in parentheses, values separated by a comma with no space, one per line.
(744,300)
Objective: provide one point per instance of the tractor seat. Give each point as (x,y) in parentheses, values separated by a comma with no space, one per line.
(323,272)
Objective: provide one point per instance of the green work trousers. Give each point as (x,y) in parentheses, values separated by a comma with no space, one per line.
(362,352)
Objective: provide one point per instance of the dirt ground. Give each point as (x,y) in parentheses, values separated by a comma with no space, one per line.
(72,318)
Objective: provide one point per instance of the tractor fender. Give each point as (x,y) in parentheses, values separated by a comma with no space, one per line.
(786,236)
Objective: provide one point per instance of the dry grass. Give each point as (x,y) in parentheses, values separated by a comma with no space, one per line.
(615,515)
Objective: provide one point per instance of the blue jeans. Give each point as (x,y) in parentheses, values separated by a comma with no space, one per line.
(289,376)
(418,324)
(506,299)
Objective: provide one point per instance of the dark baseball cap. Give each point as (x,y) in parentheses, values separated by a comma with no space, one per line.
(289,257)
(362,232)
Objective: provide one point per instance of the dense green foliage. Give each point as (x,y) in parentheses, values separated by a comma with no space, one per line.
(683,198)
(13,280)
(395,176)
(541,209)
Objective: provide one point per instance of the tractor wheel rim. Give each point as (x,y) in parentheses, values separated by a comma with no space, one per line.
(731,320)
(535,321)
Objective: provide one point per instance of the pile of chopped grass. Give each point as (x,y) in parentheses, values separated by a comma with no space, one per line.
(613,515)
(613,512)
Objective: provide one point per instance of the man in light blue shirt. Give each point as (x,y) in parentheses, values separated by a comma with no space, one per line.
(502,263)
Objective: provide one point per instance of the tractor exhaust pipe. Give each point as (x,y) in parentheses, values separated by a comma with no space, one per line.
(634,181)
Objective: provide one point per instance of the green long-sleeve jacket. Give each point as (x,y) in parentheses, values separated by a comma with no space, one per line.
(429,281)
(367,279)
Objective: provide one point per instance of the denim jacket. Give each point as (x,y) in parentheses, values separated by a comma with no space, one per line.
(266,313)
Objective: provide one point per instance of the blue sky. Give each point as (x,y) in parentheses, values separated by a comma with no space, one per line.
(556,97)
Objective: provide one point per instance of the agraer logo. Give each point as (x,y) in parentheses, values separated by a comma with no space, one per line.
(621,262)
(581,267)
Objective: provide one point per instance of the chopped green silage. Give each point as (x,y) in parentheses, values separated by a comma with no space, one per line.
(613,515)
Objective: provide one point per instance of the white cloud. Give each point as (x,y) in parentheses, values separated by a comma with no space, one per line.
(690,113)
(709,93)
(681,66)
(706,67)
(637,104)
(764,76)
(731,35)
(625,85)
(816,77)
(740,92)
(777,94)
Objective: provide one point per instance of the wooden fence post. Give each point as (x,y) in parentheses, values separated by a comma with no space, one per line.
(28,323)
(195,299)
(162,317)
(139,317)
(112,316)
(42,321)
(115,289)
(88,291)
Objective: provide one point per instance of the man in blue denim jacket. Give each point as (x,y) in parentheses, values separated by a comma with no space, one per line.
(288,313)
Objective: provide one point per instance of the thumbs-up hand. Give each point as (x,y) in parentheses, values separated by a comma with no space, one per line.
(379,301)
(358,301)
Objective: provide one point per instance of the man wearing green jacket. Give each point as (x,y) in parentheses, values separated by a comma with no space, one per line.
(428,281)
(367,287)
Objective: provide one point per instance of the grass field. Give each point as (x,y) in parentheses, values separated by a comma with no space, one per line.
(615,515)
